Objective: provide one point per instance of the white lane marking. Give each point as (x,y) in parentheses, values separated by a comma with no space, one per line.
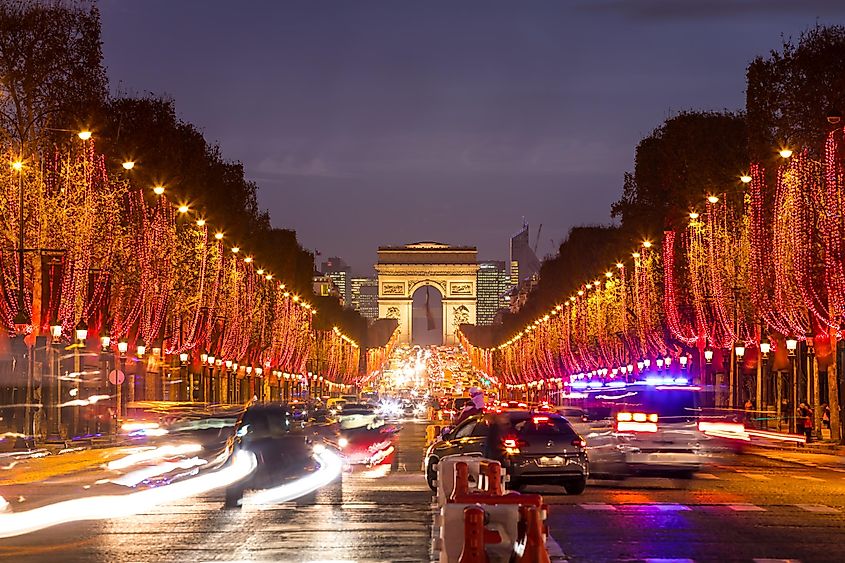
(706,476)
(820,508)
(837,469)
(662,507)
(808,478)
(756,476)
(597,506)
(746,508)
(553,548)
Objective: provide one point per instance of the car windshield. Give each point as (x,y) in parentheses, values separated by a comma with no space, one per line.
(266,421)
(542,425)
(357,408)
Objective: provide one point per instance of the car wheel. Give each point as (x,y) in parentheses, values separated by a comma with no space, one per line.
(575,486)
(233,497)
(431,474)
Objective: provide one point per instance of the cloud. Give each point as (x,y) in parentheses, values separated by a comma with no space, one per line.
(290,164)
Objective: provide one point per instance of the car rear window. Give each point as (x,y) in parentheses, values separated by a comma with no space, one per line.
(542,425)
(461,403)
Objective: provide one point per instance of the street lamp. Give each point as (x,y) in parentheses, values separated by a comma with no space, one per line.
(683,360)
(708,355)
(791,346)
(54,430)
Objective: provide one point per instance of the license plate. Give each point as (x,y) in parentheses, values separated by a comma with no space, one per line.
(556,461)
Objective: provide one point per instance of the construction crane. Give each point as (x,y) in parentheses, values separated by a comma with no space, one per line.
(537,240)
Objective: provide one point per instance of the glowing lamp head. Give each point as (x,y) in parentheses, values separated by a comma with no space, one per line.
(105,341)
(84,135)
(81,331)
(122,346)
(765,348)
(218,236)
(785,153)
(708,355)
(745,179)
(739,349)
(635,255)
(791,345)
(647,244)
(56,331)
(683,360)
(620,265)
(184,209)
(248,259)
(17,165)
(200,222)
(142,349)
(712,199)
(693,215)
(158,190)
(235,249)
(183,357)
(128,165)
(260,272)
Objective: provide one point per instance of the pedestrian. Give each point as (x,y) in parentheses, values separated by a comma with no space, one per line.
(805,421)
(473,407)
(749,414)
(826,416)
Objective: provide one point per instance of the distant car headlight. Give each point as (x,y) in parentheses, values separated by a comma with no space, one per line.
(342,443)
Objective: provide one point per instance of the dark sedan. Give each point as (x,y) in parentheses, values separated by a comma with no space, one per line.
(281,447)
(534,448)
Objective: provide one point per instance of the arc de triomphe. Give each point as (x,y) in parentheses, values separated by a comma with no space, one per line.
(451,270)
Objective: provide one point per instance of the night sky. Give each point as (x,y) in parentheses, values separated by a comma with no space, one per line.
(372,123)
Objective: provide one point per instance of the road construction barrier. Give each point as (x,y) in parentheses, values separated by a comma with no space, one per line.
(511,523)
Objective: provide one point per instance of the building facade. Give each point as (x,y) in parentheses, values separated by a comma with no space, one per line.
(493,284)
(523,262)
(340,273)
(364,292)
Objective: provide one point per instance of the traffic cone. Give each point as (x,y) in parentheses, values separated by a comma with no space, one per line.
(473,551)
(535,545)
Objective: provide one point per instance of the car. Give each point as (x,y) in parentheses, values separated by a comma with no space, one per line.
(505,406)
(281,447)
(533,448)
(335,405)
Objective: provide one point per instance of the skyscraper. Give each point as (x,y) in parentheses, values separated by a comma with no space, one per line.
(492,283)
(523,261)
(364,293)
(337,269)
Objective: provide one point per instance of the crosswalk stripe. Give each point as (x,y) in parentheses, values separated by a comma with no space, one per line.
(808,478)
(597,506)
(746,508)
(705,476)
(820,508)
(756,476)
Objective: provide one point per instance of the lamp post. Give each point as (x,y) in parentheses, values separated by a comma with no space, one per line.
(706,377)
(140,352)
(105,343)
(81,333)
(122,348)
(791,345)
(54,418)
(183,363)
(739,354)
(765,349)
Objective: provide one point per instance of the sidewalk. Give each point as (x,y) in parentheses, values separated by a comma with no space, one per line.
(827,455)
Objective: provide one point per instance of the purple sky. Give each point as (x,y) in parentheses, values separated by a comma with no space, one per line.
(370,123)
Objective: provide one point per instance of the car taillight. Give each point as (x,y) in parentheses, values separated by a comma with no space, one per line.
(512,445)
(579,443)
(636,417)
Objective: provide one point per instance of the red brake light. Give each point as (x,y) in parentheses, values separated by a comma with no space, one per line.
(539,419)
(510,443)
(579,443)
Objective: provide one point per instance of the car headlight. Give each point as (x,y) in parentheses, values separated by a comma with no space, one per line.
(342,443)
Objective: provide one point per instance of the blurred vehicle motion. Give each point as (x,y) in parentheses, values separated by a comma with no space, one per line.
(533,448)
(279,443)
(643,428)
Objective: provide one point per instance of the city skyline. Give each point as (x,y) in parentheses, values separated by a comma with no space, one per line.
(436,121)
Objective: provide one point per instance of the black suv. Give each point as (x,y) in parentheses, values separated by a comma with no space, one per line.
(534,448)
(279,443)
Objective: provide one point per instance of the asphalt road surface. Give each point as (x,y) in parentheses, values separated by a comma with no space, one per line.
(746,508)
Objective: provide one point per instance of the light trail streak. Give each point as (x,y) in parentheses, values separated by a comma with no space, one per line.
(149,454)
(331,466)
(118,506)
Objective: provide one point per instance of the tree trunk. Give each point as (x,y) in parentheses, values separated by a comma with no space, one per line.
(833,389)
(817,406)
